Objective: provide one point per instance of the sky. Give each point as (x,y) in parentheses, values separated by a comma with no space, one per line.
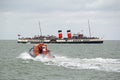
(22,17)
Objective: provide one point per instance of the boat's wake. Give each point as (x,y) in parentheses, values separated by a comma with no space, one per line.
(112,65)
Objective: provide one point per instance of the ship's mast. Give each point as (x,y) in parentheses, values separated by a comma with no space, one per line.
(89,28)
(40,29)
(40,33)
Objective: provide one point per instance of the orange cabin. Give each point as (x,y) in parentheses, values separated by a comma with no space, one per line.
(38,49)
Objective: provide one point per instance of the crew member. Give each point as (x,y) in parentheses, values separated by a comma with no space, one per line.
(45,49)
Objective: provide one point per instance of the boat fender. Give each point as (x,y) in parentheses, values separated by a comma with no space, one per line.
(31,52)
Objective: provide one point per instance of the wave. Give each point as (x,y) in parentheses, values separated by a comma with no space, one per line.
(108,64)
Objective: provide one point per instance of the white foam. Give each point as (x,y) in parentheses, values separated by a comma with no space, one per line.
(95,63)
(25,56)
(77,63)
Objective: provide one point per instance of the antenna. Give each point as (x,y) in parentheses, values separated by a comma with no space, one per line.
(89,28)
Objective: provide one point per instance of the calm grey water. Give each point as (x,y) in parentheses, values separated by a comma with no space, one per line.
(71,62)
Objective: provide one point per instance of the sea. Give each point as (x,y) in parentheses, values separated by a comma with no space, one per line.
(71,62)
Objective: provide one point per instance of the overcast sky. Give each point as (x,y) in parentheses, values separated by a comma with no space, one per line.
(22,17)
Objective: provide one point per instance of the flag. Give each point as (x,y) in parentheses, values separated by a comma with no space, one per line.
(19,35)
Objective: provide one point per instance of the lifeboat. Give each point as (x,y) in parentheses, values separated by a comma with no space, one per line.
(40,50)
